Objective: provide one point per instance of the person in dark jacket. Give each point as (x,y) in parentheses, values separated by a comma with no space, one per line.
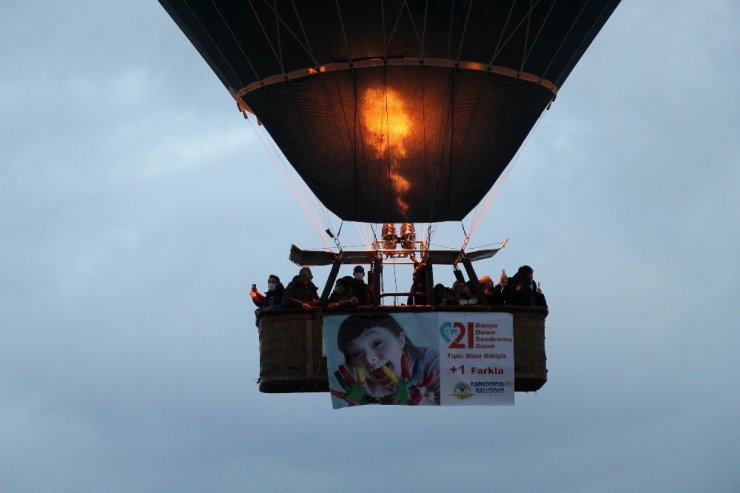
(520,289)
(342,296)
(301,292)
(272,299)
(443,295)
(359,287)
(418,294)
(465,293)
(492,292)
(274,295)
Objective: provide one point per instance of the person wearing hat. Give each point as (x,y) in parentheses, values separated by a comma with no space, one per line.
(359,287)
(301,292)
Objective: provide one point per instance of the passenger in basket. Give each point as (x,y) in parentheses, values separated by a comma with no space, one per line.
(342,296)
(301,293)
(268,301)
(382,365)
(520,288)
(493,293)
(443,295)
(464,293)
(418,294)
(274,295)
(359,287)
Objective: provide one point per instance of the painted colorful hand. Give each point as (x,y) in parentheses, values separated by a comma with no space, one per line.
(355,391)
(411,386)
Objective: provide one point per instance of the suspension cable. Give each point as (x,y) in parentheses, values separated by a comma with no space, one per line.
(513,31)
(493,193)
(278,58)
(560,46)
(285,173)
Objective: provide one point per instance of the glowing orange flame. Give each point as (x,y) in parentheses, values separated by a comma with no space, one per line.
(387,125)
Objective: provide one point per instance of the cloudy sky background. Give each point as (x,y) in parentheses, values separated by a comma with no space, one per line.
(137,206)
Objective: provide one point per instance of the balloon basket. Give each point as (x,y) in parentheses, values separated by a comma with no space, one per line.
(292,357)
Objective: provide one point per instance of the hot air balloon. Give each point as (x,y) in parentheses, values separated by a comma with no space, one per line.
(392,112)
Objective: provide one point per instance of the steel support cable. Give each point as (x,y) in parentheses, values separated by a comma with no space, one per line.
(537,36)
(362,234)
(466,237)
(278,58)
(432,196)
(277,30)
(395,26)
(324,218)
(387,134)
(385,94)
(322,212)
(386,44)
(449,34)
(344,33)
(351,135)
(422,55)
(298,187)
(513,31)
(488,200)
(476,105)
(479,207)
(501,34)
(287,29)
(451,119)
(305,35)
(507,169)
(526,37)
(416,31)
(465,30)
(424,29)
(344,113)
(295,190)
(285,173)
(447,63)
(372,230)
(560,46)
(309,50)
(382,25)
(215,45)
(483,209)
(395,285)
(351,149)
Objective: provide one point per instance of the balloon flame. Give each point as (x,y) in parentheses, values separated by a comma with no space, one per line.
(387,125)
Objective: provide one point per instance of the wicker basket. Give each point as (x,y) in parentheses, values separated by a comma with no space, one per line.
(291,356)
(530,362)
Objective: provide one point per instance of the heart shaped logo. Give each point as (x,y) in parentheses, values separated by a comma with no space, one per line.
(448,332)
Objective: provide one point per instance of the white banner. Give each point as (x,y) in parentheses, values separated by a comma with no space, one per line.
(476,358)
(424,358)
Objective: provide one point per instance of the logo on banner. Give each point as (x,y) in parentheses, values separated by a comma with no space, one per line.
(458,335)
(462,391)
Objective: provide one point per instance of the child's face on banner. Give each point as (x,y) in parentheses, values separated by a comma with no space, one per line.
(376,348)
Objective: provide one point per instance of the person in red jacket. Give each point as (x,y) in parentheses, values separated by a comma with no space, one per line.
(274,295)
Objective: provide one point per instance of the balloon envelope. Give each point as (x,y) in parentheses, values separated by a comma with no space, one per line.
(394,111)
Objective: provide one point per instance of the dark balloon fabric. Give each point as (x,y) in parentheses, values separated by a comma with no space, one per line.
(423,108)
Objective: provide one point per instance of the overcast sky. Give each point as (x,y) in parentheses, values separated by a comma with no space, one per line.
(137,206)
